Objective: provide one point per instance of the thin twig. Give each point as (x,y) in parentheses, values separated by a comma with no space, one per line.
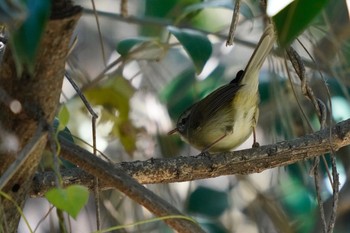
(295,94)
(234,21)
(99,32)
(321,110)
(335,175)
(300,70)
(124,8)
(94,146)
(101,75)
(308,93)
(97,188)
(317,179)
(164,23)
(120,59)
(81,95)
(76,138)
(43,218)
(335,198)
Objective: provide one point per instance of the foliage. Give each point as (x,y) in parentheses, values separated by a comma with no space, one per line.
(303,11)
(26,38)
(189,34)
(196,44)
(71,199)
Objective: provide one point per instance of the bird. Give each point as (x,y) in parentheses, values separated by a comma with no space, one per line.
(227,116)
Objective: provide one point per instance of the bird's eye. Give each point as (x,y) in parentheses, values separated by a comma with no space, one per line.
(183,119)
(182,122)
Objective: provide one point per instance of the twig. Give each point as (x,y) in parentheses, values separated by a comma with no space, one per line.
(81,95)
(305,88)
(335,198)
(97,186)
(94,146)
(321,111)
(43,218)
(234,21)
(102,74)
(308,93)
(335,183)
(99,32)
(318,193)
(124,7)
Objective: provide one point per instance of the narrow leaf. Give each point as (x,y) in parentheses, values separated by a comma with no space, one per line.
(294,18)
(26,39)
(141,48)
(196,44)
(125,46)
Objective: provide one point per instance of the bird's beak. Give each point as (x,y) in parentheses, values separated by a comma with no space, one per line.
(171,132)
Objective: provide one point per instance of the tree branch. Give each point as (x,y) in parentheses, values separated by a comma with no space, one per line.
(201,166)
(120,180)
(38,95)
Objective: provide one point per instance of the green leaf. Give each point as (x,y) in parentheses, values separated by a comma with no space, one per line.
(164,12)
(208,202)
(294,18)
(71,199)
(141,48)
(65,133)
(127,134)
(125,46)
(63,118)
(114,97)
(210,15)
(26,39)
(196,44)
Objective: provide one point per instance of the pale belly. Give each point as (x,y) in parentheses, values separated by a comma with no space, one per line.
(235,136)
(226,133)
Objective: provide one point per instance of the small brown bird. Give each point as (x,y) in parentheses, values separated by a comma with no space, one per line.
(226,117)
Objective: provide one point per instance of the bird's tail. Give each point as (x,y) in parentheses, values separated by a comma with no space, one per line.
(256,61)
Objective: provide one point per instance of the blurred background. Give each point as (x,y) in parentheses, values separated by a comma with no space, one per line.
(152,78)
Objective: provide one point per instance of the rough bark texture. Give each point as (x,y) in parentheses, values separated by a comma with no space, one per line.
(39,96)
(177,169)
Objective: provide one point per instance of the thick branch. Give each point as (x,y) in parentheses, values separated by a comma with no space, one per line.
(120,180)
(38,94)
(202,166)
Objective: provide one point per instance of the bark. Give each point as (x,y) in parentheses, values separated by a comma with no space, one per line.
(178,169)
(38,95)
